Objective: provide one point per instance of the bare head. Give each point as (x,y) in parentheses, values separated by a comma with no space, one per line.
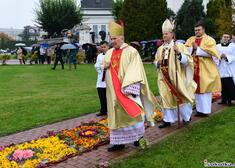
(104,46)
(225,38)
(199,29)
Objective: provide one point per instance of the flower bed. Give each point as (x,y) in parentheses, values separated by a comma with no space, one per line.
(158,116)
(87,136)
(36,153)
(55,147)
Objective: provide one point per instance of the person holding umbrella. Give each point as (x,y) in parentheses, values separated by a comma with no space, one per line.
(72,54)
(136,45)
(21,53)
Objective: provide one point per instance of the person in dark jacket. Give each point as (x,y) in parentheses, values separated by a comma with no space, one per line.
(59,56)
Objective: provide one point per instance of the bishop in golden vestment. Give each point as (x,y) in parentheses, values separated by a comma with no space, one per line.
(171,90)
(129,98)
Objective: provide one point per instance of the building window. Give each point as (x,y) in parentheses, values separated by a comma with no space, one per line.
(95,29)
(103,28)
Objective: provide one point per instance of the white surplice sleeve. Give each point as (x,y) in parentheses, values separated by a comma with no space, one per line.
(202,53)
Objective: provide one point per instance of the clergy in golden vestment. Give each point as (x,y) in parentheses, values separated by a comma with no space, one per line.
(129,99)
(168,56)
(206,75)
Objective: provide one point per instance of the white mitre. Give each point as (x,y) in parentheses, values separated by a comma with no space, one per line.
(167,26)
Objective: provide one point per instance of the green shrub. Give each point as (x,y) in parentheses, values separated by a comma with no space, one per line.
(81,56)
(4,58)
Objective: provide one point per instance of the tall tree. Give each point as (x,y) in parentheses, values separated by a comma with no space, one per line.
(170,13)
(131,15)
(56,15)
(188,15)
(116,8)
(142,19)
(219,15)
(5,40)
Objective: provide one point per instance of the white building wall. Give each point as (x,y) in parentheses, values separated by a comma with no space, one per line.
(84,37)
(96,20)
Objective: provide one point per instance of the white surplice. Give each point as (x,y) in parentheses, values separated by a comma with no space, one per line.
(227,66)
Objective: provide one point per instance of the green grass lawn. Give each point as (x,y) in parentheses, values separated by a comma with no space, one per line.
(32,96)
(212,139)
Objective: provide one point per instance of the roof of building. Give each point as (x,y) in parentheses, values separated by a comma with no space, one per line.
(96,4)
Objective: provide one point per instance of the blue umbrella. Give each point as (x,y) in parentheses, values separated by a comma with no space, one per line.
(68,47)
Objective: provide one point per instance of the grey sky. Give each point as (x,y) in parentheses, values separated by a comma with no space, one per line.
(19,13)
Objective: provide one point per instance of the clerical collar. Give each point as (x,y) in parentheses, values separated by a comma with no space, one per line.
(225,44)
(122,46)
(168,45)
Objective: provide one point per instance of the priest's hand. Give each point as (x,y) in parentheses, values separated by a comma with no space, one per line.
(105,65)
(223,56)
(195,45)
(157,64)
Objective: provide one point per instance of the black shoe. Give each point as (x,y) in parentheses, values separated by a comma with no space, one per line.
(190,119)
(137,143)
(101,114)
(187,122)
(52,68)
(199,114)
(164,124)
(116,148)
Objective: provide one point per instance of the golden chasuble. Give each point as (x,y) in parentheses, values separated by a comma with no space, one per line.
(167,78)
(165,68)
(206,73)
(130,71)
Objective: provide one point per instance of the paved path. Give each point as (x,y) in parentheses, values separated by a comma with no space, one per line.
(91,159)
(14,62)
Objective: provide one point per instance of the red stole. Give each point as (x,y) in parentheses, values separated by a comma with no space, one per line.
(132,109)
(196,61)
(166,77)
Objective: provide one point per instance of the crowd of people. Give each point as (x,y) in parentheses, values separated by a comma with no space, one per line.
(187,74)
